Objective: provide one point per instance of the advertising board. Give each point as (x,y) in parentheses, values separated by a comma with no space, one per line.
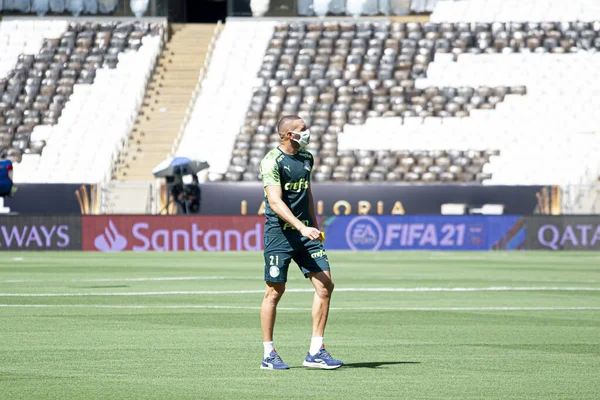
(424,233)
(170,233)
(375,199)
(345,232)
(52,199)
(40,232)
(563,232)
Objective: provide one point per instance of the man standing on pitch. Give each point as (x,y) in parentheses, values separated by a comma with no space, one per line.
(291,233)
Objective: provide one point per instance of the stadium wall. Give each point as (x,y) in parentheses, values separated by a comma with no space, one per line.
(332,199)
(114,233)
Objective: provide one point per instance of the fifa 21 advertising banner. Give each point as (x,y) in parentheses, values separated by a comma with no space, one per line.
(425,233)
(171,233)
(563,232)
(40,233)
(246,198)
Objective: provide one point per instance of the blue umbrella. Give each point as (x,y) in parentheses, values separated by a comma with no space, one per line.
(178,166)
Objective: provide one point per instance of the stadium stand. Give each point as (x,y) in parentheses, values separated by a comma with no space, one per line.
(423,102)
(225,93)
(75,7)
(165,107)
(354,8)
(516,11)
(492,96)
(59,121)
(167,99)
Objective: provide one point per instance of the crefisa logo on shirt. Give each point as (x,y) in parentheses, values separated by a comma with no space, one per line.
(364,233)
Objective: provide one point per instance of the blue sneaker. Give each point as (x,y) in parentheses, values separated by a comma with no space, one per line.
(322,360)
(273,362)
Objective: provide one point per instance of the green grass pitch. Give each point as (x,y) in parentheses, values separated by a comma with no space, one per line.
(408,325)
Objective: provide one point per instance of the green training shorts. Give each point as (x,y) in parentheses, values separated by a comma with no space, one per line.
(280,250)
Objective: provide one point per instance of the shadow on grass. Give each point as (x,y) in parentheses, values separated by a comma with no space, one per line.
(377,364)
(103,287)
(372,364)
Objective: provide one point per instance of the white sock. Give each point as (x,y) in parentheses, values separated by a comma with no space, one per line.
(316,342)
(268,346)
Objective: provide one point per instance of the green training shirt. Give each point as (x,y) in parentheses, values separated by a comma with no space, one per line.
(292,173)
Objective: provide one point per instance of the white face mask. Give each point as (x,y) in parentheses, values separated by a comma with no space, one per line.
(304,139)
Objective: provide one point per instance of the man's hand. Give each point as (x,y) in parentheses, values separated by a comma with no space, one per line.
(310,233)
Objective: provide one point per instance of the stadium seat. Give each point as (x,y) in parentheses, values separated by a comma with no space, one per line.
(50,98)
(455,99)
(75,7)
(489,11)
(224,97)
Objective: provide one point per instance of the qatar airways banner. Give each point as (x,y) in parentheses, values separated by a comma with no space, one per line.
(563,232)
(40,233)
(424,232)
(172,233)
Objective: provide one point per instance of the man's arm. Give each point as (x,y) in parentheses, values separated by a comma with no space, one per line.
(311,209)
(283,211)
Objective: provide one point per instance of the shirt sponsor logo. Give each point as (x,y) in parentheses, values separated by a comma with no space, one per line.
(318,254)
(288,226)
(299,186)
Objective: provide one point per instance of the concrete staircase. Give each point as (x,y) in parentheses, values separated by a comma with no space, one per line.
(167,99)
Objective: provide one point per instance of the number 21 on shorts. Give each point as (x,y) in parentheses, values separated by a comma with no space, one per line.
(273,260)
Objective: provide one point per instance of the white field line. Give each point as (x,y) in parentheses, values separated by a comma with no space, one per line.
(410,279)
(216,307)
(237,278)
(525,258)
(141,279)
(383,289)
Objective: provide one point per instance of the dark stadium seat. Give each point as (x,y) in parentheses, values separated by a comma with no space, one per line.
(47,96)
(333,74)
(37,89)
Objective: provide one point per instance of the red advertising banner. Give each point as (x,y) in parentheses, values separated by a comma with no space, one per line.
(172,233)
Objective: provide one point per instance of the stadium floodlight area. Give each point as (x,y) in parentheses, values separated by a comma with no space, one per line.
(60,121)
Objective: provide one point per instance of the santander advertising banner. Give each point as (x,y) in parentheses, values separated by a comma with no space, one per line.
(170,233)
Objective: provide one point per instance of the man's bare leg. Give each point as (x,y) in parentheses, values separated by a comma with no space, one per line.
(318,357)
(320,308)
(268,310)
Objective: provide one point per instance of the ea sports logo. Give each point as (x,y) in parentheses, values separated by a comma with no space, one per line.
(364,233)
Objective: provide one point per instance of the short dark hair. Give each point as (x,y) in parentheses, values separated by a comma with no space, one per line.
(284,124)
